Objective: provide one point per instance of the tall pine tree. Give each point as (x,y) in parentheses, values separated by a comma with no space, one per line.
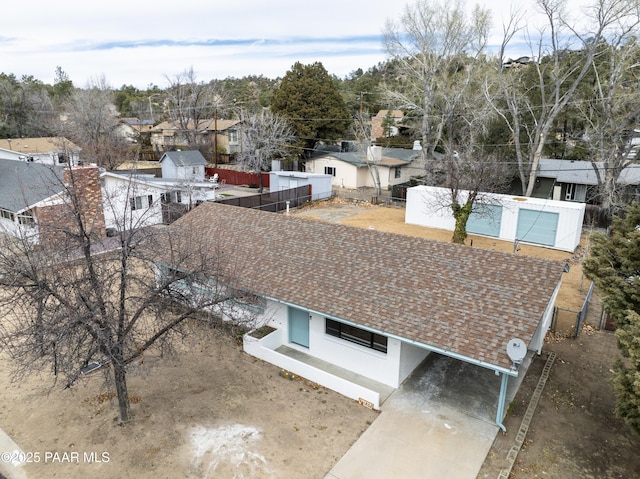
(309,99)
(614,266)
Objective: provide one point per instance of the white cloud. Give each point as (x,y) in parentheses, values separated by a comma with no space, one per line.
(141,43)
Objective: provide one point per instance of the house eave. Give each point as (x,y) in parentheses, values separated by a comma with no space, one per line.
(435,349)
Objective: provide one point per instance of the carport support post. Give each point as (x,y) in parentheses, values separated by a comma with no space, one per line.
(502,399)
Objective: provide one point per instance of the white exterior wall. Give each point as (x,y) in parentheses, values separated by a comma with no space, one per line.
(367,362)
(321,185)
(538,337)
(116,193)
(346,174)
(48,158)
(410,357)
(390,369)
(424,208)
(170,171)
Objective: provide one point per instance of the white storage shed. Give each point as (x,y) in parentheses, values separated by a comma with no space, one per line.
(554,224)
(284,180)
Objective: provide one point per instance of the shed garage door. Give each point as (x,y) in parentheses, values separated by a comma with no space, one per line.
(538,227)
(485,221)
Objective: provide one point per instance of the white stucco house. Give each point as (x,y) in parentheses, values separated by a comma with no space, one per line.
(138,200)
(356,310)
(352,169)
(46,150)
(544,222)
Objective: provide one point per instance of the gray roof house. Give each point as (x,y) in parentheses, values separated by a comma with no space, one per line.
(350,168)
(184,165)
(23,184)
(569,180)
(33,197)
(376,304)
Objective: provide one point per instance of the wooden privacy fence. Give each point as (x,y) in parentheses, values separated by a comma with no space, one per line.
(234,177)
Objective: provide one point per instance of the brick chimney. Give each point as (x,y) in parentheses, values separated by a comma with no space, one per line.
(83,193)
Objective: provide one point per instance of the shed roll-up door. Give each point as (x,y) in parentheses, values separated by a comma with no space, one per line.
(538,227)
(485,220)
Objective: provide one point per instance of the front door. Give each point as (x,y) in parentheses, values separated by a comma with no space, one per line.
(299,327)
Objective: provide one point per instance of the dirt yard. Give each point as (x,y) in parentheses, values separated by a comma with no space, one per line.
(210,412)
(214,412)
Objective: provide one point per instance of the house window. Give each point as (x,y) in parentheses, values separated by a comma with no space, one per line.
(330,170)
(233,136)
(61,158)
(141,202)
(398,172)
(8,215)
(26,219)
(356,335)
(194,170)
(576,192)
(178,197)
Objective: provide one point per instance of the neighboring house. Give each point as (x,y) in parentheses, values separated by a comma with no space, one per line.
(352,169)
(225,134)
(34,200)
(517,63)
(569,180)
(137,200)
(47,150)
(394,117)
(320,184)
(357,310)
(183,165)
(133,129)
(555,224)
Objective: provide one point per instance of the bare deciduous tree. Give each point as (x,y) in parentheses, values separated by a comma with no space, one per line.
(93,124)
(531,110)
(613,114)
(265,136)
(189,103)
(80,301)
(438,46)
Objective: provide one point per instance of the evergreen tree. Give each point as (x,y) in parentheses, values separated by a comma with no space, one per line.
(309,99)
(614,266)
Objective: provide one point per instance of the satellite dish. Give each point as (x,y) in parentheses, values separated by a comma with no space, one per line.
(517,350)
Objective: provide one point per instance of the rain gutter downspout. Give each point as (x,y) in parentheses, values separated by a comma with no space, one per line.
(502,399)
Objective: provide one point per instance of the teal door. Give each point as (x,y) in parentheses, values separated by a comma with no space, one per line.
(298,326)
(537,227)
(485,221)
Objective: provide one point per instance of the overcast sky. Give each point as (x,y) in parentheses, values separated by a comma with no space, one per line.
(141,43)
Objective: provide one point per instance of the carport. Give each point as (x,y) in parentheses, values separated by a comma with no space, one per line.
(439,423)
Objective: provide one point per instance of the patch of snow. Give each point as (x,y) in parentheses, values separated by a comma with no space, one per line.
(228,447)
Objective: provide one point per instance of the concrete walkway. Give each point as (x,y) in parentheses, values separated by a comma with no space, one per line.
(439,423)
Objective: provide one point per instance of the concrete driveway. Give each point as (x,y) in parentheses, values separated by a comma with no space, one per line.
(439,423)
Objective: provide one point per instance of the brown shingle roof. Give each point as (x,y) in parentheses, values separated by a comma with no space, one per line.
(456,298)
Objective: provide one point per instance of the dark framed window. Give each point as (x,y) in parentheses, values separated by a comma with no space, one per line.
(141,202)
(356,335)
(330,170)
(398,172)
